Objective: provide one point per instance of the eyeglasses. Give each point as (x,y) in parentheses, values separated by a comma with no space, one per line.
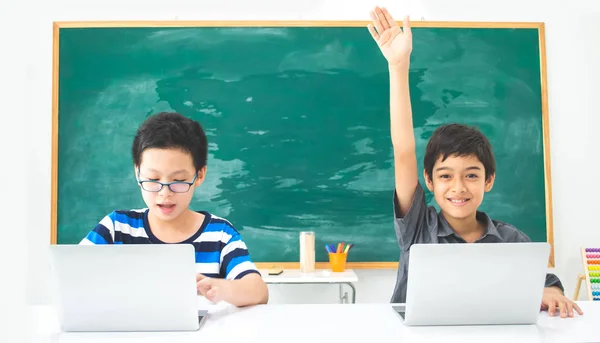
(175,186)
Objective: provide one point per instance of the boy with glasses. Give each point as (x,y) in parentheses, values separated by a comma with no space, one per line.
(170,154)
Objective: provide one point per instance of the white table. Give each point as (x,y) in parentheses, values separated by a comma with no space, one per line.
(319,276)
(330,323)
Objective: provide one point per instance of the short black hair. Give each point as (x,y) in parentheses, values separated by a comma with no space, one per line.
(459,140)
(167,130)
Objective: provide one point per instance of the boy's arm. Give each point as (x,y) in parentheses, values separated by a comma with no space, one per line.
(240,284)
(553,298)
(396,46)
(249,290)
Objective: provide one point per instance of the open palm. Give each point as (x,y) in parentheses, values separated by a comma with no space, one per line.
(395,44)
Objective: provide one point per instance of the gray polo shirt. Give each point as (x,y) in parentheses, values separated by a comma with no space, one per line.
(422,224)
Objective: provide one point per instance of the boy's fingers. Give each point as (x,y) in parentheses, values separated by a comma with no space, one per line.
(201,290)
(376,23)
(569,309)
(562,308)
(374,33)
(205,281)
(388,17)
(382,18)
(576,308)
(551,307)
(406,25)
(213,294)
(203,285)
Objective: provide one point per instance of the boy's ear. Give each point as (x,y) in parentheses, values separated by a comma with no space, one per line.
(428,181)
(489,183)
(201,176)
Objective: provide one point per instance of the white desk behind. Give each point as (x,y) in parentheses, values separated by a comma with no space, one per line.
(320,276)
(331,323)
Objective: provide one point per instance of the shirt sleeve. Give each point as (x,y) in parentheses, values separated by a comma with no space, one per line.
(235,259)
(103,233)
(553,281)
(411,227)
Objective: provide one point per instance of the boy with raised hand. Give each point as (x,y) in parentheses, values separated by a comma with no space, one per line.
(459,167)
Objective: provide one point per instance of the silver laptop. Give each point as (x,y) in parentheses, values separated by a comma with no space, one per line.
(475,284)
(126,287)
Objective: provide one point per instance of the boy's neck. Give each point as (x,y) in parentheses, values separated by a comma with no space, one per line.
(468,228)
(178,229)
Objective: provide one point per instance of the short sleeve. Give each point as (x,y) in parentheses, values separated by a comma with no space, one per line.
(103,233)
(235,259)
(553,281)
(413,225)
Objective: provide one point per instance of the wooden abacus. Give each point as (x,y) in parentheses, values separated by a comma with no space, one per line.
(591,268)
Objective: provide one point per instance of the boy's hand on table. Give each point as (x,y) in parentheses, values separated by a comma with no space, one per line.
(212,289)
(554,298)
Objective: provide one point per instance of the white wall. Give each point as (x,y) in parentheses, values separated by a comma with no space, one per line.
(573,56)
(13,249)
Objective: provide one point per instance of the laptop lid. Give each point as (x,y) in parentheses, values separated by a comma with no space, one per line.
(475,284)
(125,287)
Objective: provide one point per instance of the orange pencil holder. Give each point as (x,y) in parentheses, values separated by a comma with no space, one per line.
(338,261)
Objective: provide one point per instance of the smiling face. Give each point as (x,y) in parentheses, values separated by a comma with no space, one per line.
(458,184)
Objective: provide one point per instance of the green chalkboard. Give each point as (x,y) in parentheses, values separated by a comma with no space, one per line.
(297,119)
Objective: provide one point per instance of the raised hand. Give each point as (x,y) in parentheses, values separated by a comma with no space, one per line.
(395,43)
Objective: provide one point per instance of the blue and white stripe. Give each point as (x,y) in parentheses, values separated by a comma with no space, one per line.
(220,250)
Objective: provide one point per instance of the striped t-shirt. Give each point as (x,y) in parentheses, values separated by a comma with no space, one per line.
(220,250)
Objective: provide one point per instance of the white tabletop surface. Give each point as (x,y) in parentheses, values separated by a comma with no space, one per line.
(330,323)
(318,276)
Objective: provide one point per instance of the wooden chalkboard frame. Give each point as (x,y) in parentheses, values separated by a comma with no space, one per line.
(284,23)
